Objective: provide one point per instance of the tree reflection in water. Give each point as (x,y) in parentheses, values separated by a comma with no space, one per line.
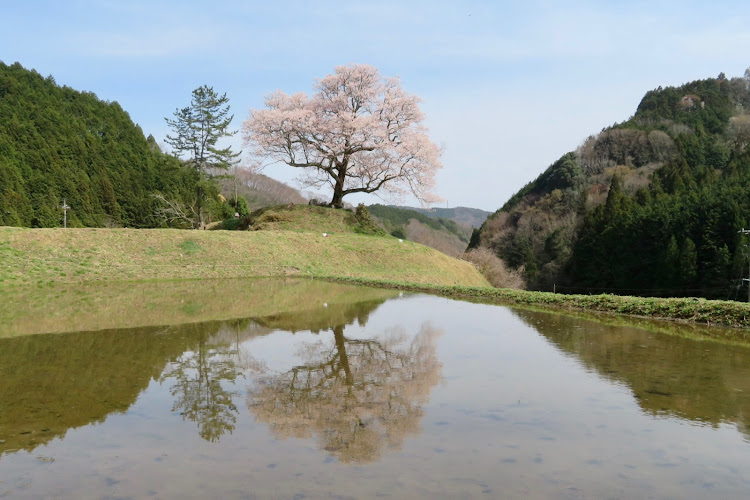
(356,395)
(203,381)
(53,383)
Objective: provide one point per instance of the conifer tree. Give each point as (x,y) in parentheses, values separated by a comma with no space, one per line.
(197,130)
(199,127)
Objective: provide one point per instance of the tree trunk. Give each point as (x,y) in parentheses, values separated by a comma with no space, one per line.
(337,201)
(338,188)
(338,335)
(199,202)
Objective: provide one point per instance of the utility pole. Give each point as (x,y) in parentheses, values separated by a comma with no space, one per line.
(65,209)
(746,232)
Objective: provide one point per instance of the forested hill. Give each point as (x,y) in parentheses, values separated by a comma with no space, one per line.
(59,144)
(444,235)
(650,206)
(472,217)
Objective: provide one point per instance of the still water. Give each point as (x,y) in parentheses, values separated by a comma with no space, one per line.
(302,389)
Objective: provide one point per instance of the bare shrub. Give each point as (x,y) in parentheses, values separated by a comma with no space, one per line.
(109,222)
(260,190)
(591,159)
(494,224)
(662,146)
(739,132)
(494,269)
(676,129)
(623,147)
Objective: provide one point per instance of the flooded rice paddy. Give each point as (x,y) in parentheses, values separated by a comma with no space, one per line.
(305,389)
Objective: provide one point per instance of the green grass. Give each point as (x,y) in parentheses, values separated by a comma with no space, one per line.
(289,241)
(302,218)
(190,247)
(40,256)
(694,310)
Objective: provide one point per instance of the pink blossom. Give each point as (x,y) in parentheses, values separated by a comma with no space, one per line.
(358,133)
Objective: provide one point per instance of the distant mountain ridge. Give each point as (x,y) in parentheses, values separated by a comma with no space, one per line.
(445,235)
(472,217)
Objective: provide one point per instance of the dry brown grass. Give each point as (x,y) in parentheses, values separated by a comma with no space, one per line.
(494,269)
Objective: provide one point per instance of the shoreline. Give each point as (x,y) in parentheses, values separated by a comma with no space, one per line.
(52,257)
(682,310)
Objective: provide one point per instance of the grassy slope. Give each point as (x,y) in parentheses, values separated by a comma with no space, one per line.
(301,218)
(293,245)
(51,256)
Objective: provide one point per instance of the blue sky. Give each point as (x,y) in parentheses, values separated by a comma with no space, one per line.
(508,87)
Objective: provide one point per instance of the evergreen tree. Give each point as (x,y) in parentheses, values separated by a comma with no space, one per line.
(671,267)
(61,144)
(688,262)
(197,130)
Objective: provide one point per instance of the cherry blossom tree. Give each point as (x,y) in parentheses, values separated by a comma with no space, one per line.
(359,133)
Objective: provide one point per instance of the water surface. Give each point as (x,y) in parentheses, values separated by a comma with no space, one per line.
(300,389)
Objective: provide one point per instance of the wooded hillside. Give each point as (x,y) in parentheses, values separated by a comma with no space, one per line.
(650,206)
(440,233)
(59,144)
(471,217)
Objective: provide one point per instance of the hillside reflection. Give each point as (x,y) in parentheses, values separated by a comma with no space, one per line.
(108,306)
(357,396)
(52,383)
(669,375)
(55,382)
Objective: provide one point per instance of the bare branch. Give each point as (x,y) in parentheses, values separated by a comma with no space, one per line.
(175,213)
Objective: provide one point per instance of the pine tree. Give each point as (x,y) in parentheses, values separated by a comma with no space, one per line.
(197,130)
(199,127)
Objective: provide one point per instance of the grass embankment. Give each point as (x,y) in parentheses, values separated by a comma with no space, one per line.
(289,241)
(53,256)
(305,218)
(701,311)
